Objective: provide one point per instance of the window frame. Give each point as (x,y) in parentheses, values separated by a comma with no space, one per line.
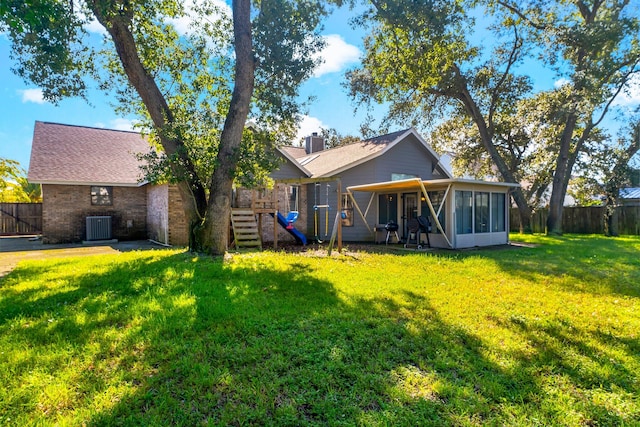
(481,212)
(462,210)
(98,198)
(388,202)
(498,213)
(438,202)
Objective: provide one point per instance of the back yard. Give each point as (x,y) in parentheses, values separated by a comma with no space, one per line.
(544,335)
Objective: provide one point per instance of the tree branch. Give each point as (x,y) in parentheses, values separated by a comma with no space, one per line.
(522,16)
(512,60)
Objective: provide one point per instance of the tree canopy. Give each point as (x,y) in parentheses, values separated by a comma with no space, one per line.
(193,89)
(431,60)
(14,186)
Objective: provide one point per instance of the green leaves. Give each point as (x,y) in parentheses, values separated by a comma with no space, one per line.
(14,186)
(48,45)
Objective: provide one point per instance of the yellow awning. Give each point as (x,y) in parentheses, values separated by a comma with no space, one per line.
(415,184)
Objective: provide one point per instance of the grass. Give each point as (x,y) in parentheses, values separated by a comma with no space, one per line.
(546,335)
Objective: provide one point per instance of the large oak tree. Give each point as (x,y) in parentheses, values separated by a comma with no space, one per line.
(419,61)
(194,90)
(425,59)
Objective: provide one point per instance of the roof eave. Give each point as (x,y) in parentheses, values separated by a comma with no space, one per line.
(414,183)
(364,159)
(430,150)
(86,183)
(294,162)
(410,131)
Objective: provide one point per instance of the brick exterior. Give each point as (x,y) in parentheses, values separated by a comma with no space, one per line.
(65,208)
(178,227)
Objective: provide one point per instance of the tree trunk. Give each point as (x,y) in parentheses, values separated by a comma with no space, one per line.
(118,25)
(216,228)
(561,177)
(524,210)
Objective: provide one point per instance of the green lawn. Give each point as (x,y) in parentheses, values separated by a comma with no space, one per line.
(547,335)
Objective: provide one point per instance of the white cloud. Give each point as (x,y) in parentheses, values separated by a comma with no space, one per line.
(307,126)
(631,93)
(93,26)
(561,82)
(336,55)
(184,23)
(32,95)
(122,124)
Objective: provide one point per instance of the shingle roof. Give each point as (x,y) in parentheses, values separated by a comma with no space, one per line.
(68,154)
(630,193)
(295,152)
(335,160)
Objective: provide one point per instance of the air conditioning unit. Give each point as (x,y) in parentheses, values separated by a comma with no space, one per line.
(98,227)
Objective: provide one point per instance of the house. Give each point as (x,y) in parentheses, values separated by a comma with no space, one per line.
(88,173)
(398,177)
(92,187)
(630,196)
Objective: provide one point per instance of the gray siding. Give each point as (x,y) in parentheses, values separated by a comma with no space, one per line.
(362,174)
(287,170)
(408,157)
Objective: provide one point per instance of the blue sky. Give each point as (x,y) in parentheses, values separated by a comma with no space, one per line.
(22,104)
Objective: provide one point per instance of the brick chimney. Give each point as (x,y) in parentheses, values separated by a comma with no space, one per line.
(313,143)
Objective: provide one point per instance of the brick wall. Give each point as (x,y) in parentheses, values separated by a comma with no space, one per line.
(65,208)
(178,227)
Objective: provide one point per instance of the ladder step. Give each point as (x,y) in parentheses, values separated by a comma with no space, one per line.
(245,229)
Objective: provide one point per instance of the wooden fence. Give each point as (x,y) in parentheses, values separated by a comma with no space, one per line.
(20,218)
(585,220)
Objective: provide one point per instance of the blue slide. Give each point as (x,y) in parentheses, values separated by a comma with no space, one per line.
(300,238)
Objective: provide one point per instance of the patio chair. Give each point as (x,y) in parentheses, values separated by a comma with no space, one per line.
(425,227)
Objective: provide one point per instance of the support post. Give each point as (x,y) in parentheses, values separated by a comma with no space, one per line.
(433,213)
(340,213)
(274,205)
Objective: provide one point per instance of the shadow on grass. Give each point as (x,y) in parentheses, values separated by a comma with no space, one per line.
(269,347)
(181,340)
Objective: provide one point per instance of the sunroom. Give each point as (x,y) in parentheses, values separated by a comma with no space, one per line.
(462,213)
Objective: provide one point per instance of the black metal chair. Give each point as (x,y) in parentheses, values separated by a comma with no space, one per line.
(415,227)
(413,233)
(425,227)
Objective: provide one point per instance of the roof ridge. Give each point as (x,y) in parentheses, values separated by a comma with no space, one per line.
(398,132)
(379,137)
(88,127)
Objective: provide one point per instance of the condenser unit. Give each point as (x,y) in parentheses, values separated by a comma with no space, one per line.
(98,227)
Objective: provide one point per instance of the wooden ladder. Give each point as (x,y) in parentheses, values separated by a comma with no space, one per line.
(245,229)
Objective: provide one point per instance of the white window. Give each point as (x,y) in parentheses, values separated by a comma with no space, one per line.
(498,212)
(464,212)
(480,212)
(481,207)
(401,176)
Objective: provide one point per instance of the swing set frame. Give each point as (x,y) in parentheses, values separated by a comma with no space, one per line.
(261,205)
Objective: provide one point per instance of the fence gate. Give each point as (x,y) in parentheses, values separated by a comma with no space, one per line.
(20,218)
